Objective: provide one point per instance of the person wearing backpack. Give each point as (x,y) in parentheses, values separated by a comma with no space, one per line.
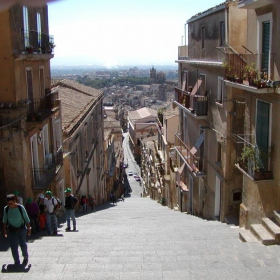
(51,205)
(15,221)
(70,204)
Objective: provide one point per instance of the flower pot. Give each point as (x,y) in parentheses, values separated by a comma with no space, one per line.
(267,175)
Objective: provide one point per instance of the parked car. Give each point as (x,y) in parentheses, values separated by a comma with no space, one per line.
(130,173)
(137,178)
(135,174)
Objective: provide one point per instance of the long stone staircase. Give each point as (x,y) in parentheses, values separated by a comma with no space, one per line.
(268,232)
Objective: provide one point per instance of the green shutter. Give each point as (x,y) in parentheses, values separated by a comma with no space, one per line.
(262,127)
(265,45)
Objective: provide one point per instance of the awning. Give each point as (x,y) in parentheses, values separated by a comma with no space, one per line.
(184,81)
(196,87)
(183,187)
(198,143)
(180,170)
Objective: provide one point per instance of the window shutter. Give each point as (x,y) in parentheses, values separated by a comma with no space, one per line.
(265,45)
(262,126)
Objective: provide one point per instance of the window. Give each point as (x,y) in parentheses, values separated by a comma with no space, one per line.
(265,45)
(219,154)
(45,138)
(29,83)
(236,196)
(203,37)
(25,26)
(264,41)
(57,132)
(220,93)
(263,129)
(39,29)
(222,33)
(41,81)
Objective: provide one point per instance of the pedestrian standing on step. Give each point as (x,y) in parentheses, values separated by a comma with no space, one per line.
(50,206)
(70,204)
(15,221)
(91,201)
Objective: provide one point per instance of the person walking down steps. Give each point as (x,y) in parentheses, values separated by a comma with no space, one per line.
(15,226)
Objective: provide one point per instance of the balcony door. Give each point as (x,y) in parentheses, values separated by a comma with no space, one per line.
(26,26)
(190,195)
(264,41)
(34,159)
(217,197)
(263,130)
(29,88)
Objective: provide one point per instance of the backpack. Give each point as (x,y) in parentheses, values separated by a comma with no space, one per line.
(58,205)
(20,210)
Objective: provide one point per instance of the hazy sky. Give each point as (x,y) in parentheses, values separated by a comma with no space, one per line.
(120,32)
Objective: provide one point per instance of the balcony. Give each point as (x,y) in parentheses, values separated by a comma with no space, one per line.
(253,4)
(43,177)
(40,108)
(33,43)
(194,163)
(241,72)
(183,52)
(253,162)
(195,105)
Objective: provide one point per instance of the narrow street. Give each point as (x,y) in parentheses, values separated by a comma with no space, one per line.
(132,166)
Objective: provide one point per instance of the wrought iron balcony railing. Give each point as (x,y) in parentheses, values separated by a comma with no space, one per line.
(35,42)
(43,177)
(196,104)
(40,108)
(250,69)
(253,161)
(195,163)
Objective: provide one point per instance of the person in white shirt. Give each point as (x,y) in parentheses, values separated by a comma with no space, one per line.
(50,206)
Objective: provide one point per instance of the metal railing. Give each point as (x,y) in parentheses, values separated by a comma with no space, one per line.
(33,41)
(43,177)
(254,68)
(195,162)
(40,108)
(252,160)
(197,104)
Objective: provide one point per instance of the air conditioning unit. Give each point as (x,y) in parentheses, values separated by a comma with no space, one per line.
(48,160)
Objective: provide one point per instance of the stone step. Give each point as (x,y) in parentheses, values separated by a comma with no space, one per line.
(272,228)
(262,234)
(276,217)
(246,236)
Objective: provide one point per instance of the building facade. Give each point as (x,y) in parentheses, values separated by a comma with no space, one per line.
(256,145)
(82,128)
(30,114)
(142,123)
(201,162)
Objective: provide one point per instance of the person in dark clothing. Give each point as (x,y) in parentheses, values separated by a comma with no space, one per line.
(70,204)
(33,211)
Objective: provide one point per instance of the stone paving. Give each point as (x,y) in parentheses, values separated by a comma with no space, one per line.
(140,239)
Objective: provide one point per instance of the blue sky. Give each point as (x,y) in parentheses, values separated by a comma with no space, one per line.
(120,32)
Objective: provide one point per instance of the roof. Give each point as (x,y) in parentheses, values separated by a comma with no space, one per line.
(142,113)
(209,11)
(76,100)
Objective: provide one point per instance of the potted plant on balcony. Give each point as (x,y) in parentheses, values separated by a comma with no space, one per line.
(29,49)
